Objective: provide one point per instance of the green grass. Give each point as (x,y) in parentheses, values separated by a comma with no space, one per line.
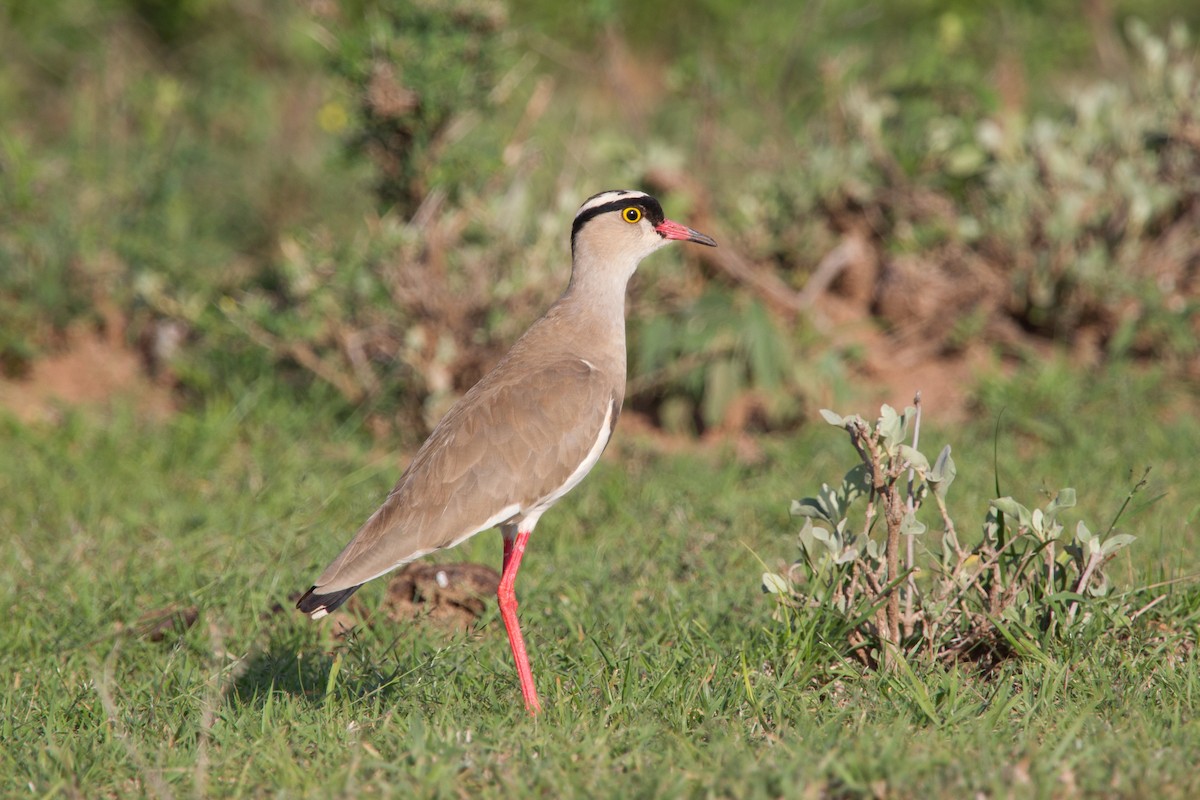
(661,671)
(174,161)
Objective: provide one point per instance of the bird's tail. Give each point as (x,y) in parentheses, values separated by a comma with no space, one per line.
(317,605)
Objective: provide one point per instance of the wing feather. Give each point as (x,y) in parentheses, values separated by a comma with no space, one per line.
(511,442)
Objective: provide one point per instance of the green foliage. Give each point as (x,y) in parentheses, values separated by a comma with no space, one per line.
(698,363)
(1022,583)
(1077,224)
(1082,207)
(203,166)
(425,73)
(143,183)
(661,674)
(945,59)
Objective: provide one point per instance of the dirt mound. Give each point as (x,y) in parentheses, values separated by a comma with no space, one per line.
(447,595)
(90,370)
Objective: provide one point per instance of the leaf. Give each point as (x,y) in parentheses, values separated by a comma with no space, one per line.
(831,503)
(855,484)
(915,458)
(1115,542)
(1082,533)
(911,526)
(847,555)
(890,427)
(808,542)
(1064,499)
(810,507)
(833,419)
(991,525)
(832,542)
(331,680)
(943,472)
(910,413)
(775,584)
(817,543)
(1011,508)
(1099,585)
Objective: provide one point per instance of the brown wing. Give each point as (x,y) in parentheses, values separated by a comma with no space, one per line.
(512,441)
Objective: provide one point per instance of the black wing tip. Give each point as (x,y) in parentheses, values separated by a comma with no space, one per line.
(318,605)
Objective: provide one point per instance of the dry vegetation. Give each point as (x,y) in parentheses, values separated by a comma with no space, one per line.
(899,242)
(283,225)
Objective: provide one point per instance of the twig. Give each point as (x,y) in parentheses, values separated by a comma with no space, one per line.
(911,544)
(1050,567)
(1147,607)
(894,516)
(872,582)
(1016,585)
(869,513)
(883,485)
(1137,487)
(302,354)
(949,525)
(851,249)
(852,589)
(1081,585)
(992,561)
(767,285)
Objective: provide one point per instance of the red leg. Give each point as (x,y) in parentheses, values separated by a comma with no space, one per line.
(513,550)
(508,549)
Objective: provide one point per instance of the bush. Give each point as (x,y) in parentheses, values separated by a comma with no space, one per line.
(170,167)
(1076,225)
(1022,582)
(424,73)
(142,179)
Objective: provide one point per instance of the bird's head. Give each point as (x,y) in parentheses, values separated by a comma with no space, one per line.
(625,226)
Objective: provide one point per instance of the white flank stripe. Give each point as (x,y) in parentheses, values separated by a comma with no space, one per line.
(500,516)
(584,467)
(493,521)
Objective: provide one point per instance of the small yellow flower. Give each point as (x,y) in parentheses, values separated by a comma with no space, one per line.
(950,31)
(333,117)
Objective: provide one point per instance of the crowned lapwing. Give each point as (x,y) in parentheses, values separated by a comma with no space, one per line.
(528,432)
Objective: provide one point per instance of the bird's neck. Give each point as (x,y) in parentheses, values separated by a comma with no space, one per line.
(590,314)
(598,284)
(593,322)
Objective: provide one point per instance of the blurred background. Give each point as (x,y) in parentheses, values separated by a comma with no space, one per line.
(250,250)
(359,205)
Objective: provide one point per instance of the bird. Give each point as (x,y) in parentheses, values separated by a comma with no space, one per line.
(529,430)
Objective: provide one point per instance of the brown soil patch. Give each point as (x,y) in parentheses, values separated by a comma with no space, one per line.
(91,370)
(902,314)
(451,596)
(893,370)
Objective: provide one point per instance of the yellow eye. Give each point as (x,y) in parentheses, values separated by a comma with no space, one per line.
(631,214)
